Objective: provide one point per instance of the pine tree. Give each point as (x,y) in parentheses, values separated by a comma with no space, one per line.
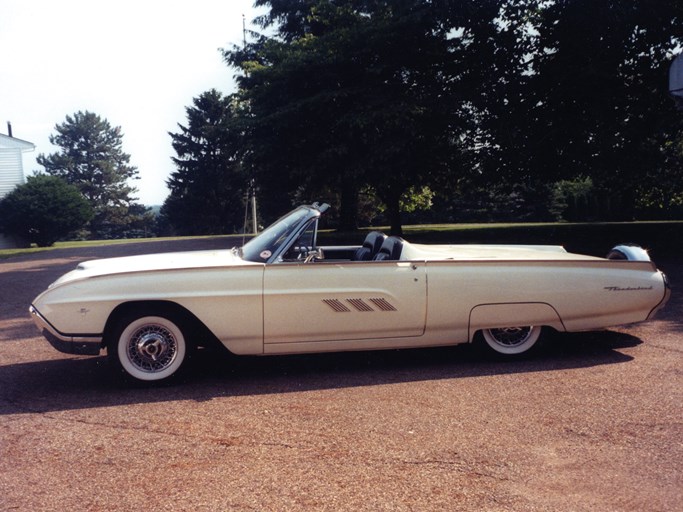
(91,157)
(208,185)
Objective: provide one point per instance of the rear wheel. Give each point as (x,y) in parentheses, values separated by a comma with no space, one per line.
(148,347)
(512,340)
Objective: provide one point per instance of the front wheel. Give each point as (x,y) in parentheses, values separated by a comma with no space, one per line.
(512,340)
(148,348)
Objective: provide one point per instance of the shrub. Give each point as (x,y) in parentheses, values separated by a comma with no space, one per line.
(44,210)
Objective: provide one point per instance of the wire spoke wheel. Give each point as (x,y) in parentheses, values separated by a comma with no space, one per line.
(149,348)
(152,348)
(512,340)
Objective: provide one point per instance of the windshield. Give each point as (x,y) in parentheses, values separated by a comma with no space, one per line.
(261,248)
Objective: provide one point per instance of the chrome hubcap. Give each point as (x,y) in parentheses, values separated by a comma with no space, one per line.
(152,348)
(511,336)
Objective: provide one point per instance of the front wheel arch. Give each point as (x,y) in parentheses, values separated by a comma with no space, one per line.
(200,334)
(147,347)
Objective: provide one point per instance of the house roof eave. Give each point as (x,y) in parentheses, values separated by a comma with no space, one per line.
(13,143)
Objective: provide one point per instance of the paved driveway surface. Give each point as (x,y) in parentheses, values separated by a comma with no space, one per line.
(593,422)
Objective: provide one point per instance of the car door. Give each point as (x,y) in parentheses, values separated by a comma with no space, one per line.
(326,301)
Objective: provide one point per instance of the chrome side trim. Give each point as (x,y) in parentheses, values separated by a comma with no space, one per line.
(88,345)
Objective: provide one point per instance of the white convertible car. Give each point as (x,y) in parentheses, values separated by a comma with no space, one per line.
(282,294)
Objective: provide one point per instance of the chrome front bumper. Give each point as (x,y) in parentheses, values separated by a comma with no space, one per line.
(86,345)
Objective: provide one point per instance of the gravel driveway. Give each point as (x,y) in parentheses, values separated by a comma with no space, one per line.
(593,422)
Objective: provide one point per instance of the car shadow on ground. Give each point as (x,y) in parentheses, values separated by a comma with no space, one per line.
(83,383)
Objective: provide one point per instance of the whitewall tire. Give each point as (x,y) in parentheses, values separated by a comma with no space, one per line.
(512,340)
(149,348)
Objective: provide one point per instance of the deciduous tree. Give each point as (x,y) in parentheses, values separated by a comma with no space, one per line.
(511,95)
(349,94)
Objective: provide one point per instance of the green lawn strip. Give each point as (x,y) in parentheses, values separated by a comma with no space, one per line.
(661,238)
(231,240)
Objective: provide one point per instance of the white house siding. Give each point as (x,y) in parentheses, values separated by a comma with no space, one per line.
(11,172)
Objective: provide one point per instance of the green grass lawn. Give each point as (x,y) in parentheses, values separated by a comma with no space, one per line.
(661,238)
(7,253)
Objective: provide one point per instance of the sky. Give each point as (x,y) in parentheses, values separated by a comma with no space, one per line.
(136,63)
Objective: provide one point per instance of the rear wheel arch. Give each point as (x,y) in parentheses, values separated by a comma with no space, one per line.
(504,315)
(513,328)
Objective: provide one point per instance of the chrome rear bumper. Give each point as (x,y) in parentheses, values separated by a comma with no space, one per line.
(665,299)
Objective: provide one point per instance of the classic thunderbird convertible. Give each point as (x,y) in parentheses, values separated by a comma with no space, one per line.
(281,293)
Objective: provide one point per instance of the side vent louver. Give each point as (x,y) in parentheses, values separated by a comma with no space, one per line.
(336,305)
(383,304)
(359,305)
(380,304)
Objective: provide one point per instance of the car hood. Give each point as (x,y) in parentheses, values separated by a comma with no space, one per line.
(152,263)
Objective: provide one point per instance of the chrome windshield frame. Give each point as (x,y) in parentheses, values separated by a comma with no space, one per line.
(269,245)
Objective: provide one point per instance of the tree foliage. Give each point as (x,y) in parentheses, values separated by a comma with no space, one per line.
(499,97)
(592,101)
(44,210)
(208,186)
(350,94)
(91,158)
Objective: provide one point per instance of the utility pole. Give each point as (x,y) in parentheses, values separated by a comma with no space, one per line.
(253,209)
(251,194)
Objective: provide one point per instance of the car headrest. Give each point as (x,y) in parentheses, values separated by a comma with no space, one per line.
(391,249)
(371,245)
